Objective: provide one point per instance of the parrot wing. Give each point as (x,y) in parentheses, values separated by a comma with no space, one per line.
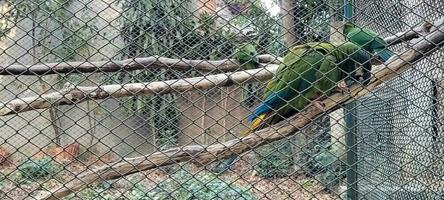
(290,82)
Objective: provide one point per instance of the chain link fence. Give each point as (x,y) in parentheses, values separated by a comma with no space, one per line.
(398,139)
(149,99)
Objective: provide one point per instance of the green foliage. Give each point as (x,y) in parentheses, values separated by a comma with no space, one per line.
(155,28)
(184,186)
(307,184)
(320,157)
(165,28)
(76,44)
(267,28)
(312,18)
(47,17)
(77,36)
(51,18)
(3,179)
(332,169)
(19,9)
(94,193)
(9,19)
(274,160)
(169,28)
(36,169)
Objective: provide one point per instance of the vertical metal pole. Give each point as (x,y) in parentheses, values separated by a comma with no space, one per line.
(350,142)
(350,134)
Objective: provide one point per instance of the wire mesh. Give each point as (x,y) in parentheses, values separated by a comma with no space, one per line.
(398,124)
(149,99)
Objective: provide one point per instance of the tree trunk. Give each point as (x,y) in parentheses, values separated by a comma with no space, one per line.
(288,20)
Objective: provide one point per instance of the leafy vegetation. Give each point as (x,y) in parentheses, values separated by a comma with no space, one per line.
(93,193)
(181,186)
(155,28)
(57,35)
(170,29)
(38,168)
(332,169)
(184,186)
(274,160)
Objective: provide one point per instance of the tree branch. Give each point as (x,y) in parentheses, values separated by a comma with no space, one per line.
(409,35)
(80,94)
(204,154)
(154,62)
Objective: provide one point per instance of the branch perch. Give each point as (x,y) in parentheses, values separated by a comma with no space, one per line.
(77,95)
(205,154)
(409,35)
(153,62)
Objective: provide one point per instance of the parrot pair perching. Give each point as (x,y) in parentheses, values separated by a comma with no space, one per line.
(309,72)
(368,40)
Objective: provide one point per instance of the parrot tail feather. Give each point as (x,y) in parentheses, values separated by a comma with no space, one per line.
(385,54)
(256,123)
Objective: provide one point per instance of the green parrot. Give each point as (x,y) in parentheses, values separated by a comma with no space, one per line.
(247,56)
(367,39)
(309,72)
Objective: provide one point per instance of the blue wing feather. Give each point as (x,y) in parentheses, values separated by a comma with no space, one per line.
(276,100)
(272,102)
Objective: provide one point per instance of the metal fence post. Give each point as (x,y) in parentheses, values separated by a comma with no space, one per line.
(350,143)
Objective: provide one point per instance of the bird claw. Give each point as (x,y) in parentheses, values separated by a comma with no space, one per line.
(319,105)
(343,88)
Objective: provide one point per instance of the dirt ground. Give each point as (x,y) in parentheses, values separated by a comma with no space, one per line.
(291,187)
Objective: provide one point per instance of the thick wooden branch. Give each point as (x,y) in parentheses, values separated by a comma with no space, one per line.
(80,94)
(409,35)
(154,62)
(205,154)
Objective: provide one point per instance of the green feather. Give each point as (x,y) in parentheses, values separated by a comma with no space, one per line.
(246,55)
(367,39)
